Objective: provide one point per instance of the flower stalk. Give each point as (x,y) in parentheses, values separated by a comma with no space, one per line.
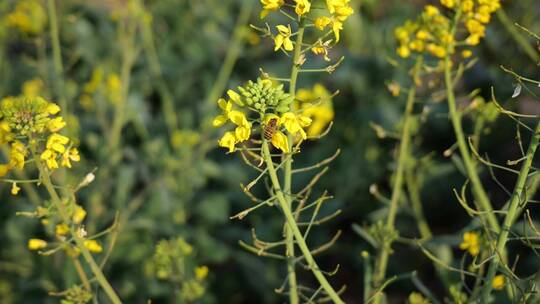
(291,222)
(386,247)
(57,54)
(287,180)
(512,213)
(79,242)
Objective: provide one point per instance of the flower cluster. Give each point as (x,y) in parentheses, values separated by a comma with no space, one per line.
(432,31)
(61,230)
(29,17)
(471,243)
(174,254)
(24,123)
(337,11)
(274,108)
(317,105)
(101,85)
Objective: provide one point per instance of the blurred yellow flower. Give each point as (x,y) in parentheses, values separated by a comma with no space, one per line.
(78,214)
(280,141)
(32,87)
(322,22)
(316,104)
(61,229)
(93,246)
(36,244)
(201,272)
(498,282)
(29,17)
(471,243)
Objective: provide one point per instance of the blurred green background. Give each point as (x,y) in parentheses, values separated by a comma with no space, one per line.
(170,179)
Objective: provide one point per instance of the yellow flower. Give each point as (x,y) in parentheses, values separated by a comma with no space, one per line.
(17,155)
(4,169)
(317,105)
(56,124)
(475,27)
(471,243)
(322,22)
(33,87)
(269,6)
(295,123)
(52,108)
(61,229)
(436,50)
(57,142)
(235,97)
(403,51)
(226,107)
(467,6)
(70,155)
(417,298)
(466,53)
(93,246)
(283,38)
(49,156)
(473,40)
(321,49)
(337,26)
(238,118)
(201,272)
(448,3)
(28,17)
(15,189)
(228,141)
(78,215)
(36,244)
(302,7)
(280,141)
(242,132)
(431,10)
(498,282)
(114,88)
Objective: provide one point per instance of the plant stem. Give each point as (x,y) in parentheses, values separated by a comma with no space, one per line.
(472,173)
(81,273)
(79,242)
(57,55)
(386,248)
(283,203)
(515,201)
(287,180)
(233,51)
(516,35)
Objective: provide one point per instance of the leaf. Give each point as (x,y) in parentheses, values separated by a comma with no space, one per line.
(517,91)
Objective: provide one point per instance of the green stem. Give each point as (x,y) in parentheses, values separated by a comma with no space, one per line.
(515,201)
(287,180)
(283,203)
(517,36)
(233,51)
(472,173)
(57,55)
(79,242)
(386,248)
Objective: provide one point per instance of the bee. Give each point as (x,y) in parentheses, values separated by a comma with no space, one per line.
(270,129)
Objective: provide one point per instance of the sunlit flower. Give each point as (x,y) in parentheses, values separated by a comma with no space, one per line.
(283,38)
(93,246)
(228,141)
(280,141)
(322,22)
(471,243)
(295,123)
(17,155)
(69,156)
(226,107)
(36,244)
(269,6)
(302,7)
(56,124)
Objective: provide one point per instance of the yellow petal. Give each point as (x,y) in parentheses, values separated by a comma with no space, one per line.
(219,120)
